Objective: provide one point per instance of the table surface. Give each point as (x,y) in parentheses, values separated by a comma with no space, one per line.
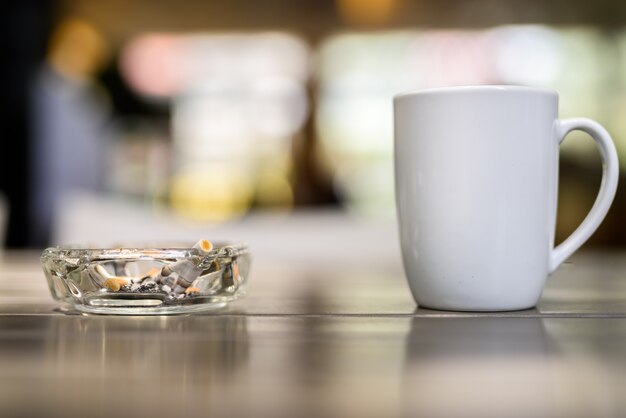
(321,339)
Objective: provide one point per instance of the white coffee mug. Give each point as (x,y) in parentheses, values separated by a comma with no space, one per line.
(476,171)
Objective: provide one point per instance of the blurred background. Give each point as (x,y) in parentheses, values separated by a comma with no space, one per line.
(137,118)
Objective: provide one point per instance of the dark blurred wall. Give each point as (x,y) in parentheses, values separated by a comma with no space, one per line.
(24,28)
(314,19)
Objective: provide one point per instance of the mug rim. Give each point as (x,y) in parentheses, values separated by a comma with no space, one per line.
(475,89)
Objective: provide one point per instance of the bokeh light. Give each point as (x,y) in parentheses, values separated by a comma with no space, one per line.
(77,49)
(237,100)
(359,73)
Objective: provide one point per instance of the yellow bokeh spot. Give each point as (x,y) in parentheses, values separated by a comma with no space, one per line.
(368,12)
(211,194)
(274,191)
(77,49)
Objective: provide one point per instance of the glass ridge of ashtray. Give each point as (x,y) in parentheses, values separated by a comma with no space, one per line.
(146,281)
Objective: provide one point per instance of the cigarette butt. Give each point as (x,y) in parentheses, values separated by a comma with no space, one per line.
(235,270)
(115,283)
(185,270)
(204,245)
(191,290)
(153,272)
(103,272)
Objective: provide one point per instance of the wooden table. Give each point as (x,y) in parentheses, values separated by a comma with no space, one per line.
(313,339)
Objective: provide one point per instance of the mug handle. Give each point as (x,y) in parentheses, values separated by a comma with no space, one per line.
(610,174)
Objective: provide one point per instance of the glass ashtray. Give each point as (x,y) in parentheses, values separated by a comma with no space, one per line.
(145,281)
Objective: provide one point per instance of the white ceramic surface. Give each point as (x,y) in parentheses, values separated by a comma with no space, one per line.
(476,190)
